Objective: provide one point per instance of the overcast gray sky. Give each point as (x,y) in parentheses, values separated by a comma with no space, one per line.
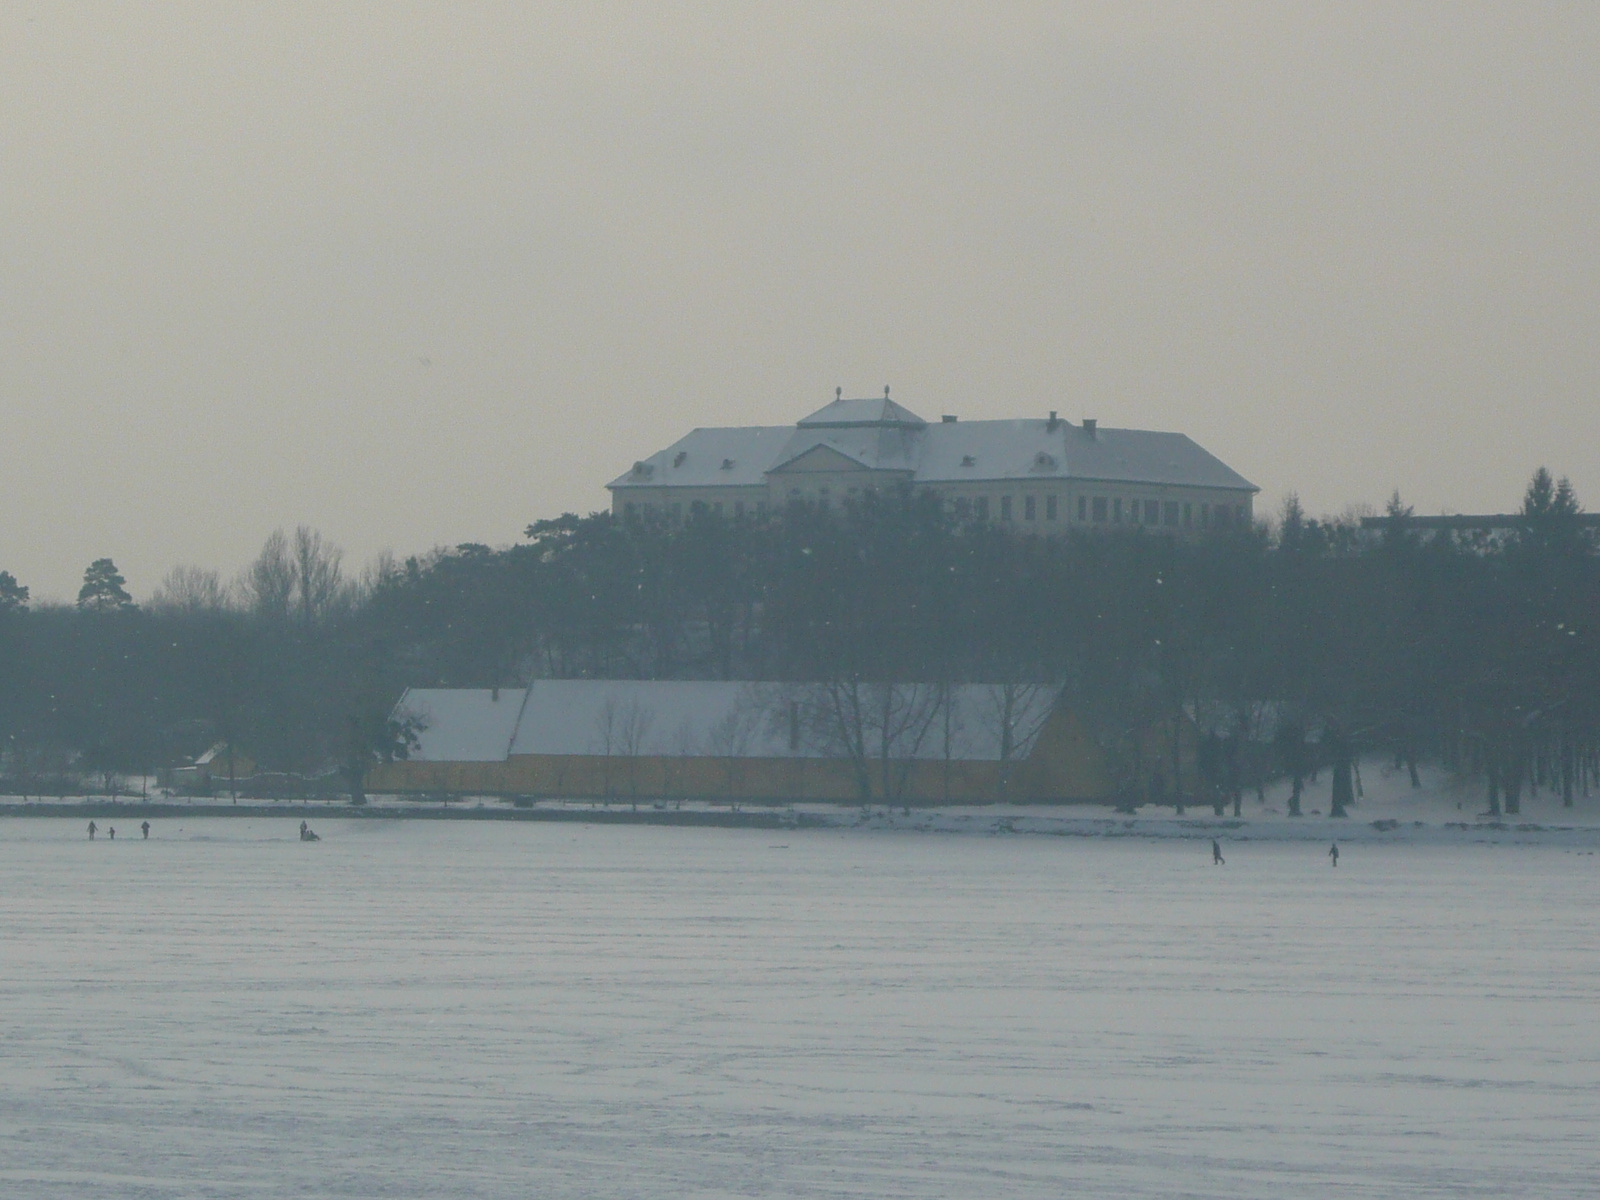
(420,274)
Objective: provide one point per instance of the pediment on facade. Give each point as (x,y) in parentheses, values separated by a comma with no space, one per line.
(821,460)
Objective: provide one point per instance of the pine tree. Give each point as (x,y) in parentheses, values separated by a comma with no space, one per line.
(13,596)
(102,589)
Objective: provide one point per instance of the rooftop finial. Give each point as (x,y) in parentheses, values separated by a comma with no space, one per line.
(886,391)
(838,393)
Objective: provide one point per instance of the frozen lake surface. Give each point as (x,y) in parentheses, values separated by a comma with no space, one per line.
(511,1010)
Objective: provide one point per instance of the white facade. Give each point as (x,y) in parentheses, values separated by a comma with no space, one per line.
(1043,475)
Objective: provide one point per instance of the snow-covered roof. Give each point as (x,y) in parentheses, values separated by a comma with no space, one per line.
(463,724)
(687,719)
(876,410)
(733,457)
(878,448)
(949,452)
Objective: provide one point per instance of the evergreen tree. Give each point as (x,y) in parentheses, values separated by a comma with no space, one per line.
(102,589)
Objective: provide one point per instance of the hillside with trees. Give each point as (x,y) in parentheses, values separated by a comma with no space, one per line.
(1296,645)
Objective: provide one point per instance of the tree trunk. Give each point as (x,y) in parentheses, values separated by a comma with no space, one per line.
(355,776)
(1343,789)
(1294,796)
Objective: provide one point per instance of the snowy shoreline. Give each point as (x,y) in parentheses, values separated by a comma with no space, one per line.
(993,821)
(1445,810)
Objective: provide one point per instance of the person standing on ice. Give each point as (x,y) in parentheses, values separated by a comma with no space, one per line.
(1216,854)
(92,828)
(144,828)
(1333,853)
(111,832)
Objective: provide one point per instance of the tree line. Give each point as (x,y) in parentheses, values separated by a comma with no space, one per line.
(1289,647)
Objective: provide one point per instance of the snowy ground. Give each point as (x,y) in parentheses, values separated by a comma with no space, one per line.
(510,1010)
(1446,810)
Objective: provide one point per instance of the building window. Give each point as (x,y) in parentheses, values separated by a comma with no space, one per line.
(1116,511)
(1205,516)
(761,508)
(1188,514)
(1170,516)
(716,507)
(1239,513)
(630,509)
(738,508)
(1005,508)
(1029,508)
(1152,512)
(677,510)
(1082,503)
(1100,509)
(963,507)
(1050,508)
(981,504)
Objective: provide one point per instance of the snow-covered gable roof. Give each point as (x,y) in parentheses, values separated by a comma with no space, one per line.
(876,410)
(684,719)
(949,452)
(463,724)
(733,457)
(876,448)
(1146,456)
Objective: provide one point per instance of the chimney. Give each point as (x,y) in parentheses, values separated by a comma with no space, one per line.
(1052,422)
(948,418)
(1089,424)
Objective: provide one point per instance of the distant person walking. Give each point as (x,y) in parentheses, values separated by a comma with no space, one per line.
(144,828)
(111,832)
(306,835)
(1216,854)
(92,828)
(1333,853)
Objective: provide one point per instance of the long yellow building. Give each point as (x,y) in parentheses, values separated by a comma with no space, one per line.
(649,740)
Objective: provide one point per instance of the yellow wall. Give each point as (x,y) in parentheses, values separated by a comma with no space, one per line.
(1064,764)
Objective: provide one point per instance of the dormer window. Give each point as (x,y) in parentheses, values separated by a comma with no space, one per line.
(727,464)
(642,470)
(968,460)
(1045,462)
(677,459)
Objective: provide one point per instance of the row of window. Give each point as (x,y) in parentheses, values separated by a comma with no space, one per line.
(1110,510)
(1099,510)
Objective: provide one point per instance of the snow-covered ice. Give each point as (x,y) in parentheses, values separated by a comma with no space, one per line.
(427,1008)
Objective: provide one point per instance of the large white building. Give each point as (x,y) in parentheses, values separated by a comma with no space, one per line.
(1044,474)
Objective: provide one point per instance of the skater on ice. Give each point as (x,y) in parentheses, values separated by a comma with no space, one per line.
(112,833)
(306,835)
(144,828)
(1216,854)
(1333,853)
(92,828)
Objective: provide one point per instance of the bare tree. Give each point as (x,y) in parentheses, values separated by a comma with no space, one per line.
(317,574)
(879,728)
(731,738)
(1013,713)
(268,584)
(607,730)
(190,591)
(632,731)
